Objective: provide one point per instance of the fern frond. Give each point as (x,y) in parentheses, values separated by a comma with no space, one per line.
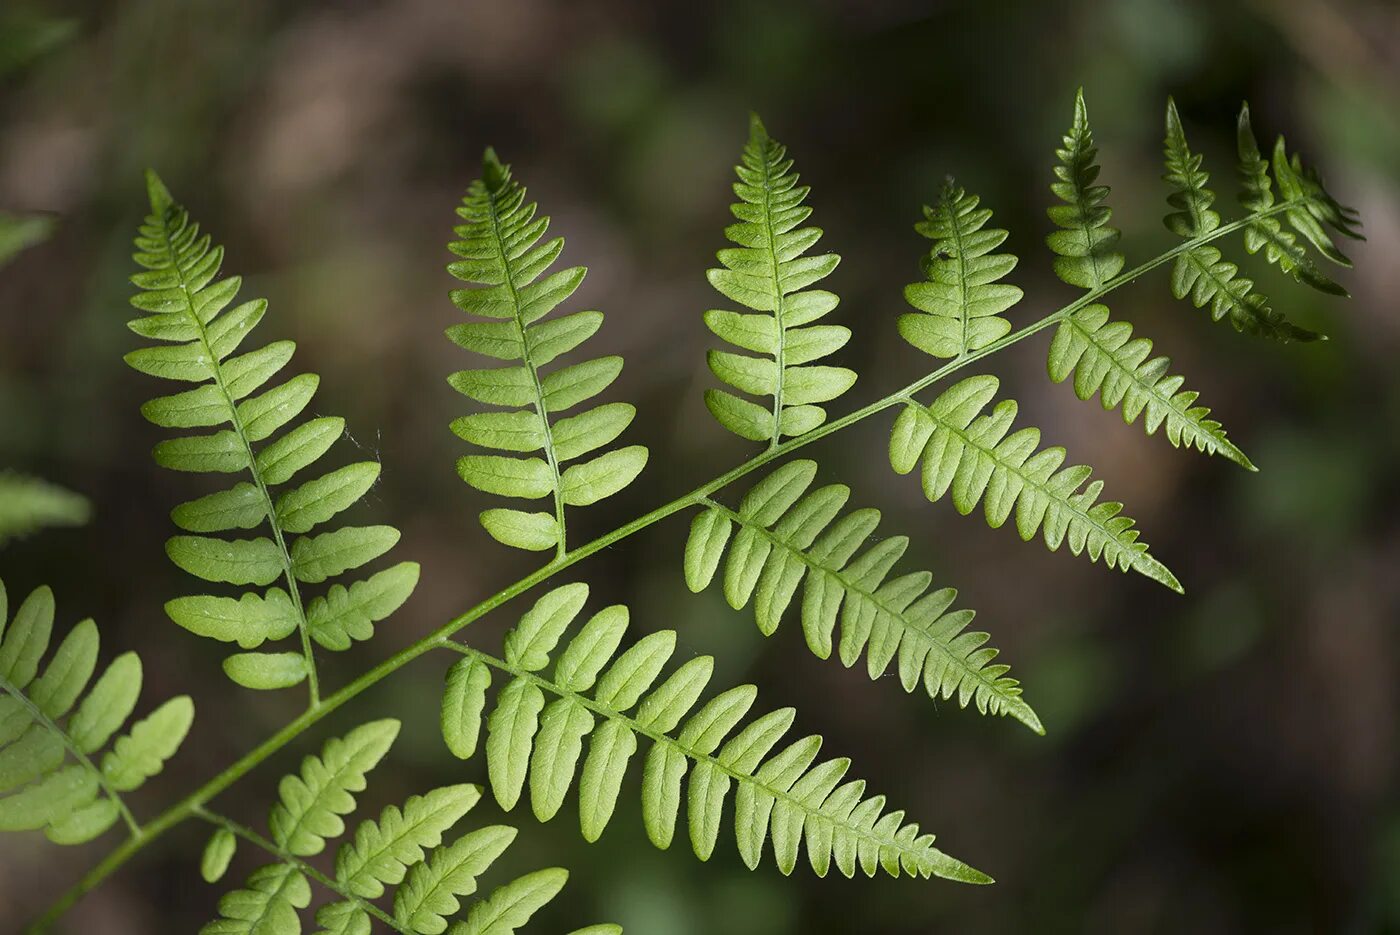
(1280,246)
(403,849)
(1201,273)
(972,456)
(501,254)
(1085,253)
(787,795)
(19,232)
(786,536)
(769,272)
(53,726)
(962,298)
(28,504)
(197,335)
(1103,356)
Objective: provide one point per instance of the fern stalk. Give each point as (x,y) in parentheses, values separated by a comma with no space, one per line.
(189,806)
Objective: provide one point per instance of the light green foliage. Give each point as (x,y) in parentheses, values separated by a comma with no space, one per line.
(402,850)
(769,272)
(972,456)
(962,300)
(198,332)
(54,722)
(19,232)
(28,504)
(501,254)
(1102,355)
(1203,275)
(788,536)
(538,726)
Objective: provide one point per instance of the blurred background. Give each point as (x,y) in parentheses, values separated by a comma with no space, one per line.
(1220,763)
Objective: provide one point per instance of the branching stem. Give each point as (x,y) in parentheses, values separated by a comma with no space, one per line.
(187,807)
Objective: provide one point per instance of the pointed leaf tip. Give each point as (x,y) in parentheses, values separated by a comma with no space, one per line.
(493,172)
(757,131)
(160,196)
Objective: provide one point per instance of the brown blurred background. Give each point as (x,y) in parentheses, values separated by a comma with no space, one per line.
(1224,762)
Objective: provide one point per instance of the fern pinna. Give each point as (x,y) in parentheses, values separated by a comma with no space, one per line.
(782,535)
(500,253)
(800,800)
(53,725)
(188,312)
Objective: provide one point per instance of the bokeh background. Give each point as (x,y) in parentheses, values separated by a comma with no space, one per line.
(1220,763)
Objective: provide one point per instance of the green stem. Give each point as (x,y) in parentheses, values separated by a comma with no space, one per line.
(301,866)
(185,808)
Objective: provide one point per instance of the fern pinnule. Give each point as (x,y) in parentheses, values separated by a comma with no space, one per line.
(1102,355)
(788,536)
(962,299)
(971,456)
(50,774)
(769,272)
(500,254)
(402,849)
(612,698)
(196,335)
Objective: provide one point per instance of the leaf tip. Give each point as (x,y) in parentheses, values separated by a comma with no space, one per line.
(159,195)
(758,133)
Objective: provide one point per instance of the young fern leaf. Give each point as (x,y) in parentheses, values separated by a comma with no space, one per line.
(1316,207)
(500,253)
(1102,355)
(972,456)
(28,504)
(197,334)
(402,849)
(787,795)
(1200,273)
(786,535)
(962,298)
(53,725)
(769,273)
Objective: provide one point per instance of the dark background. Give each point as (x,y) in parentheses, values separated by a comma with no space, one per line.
(1223,762)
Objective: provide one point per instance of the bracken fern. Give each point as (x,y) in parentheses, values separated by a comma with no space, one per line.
(563,688)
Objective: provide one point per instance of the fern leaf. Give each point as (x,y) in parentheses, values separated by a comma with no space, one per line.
(1201,273)
(790,538)
(28,504)
(402,850)
(962,300)
(787,794)
(52,724)
(769,272)
(311,803)
(1084,248)
(1103,356)
(197,332)
(972,456)
(19,232)
(500,252)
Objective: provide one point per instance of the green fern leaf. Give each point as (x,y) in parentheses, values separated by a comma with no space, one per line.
(1201,273)
(1102,356)
(1105,358)
(501,254)
(402,850)
(218,854)
(48,777)
(197,330)
(972,456)
(784,794)
(788,536)
(19,232)
(769,273)
(962,300)
(311,804)
(28,504)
